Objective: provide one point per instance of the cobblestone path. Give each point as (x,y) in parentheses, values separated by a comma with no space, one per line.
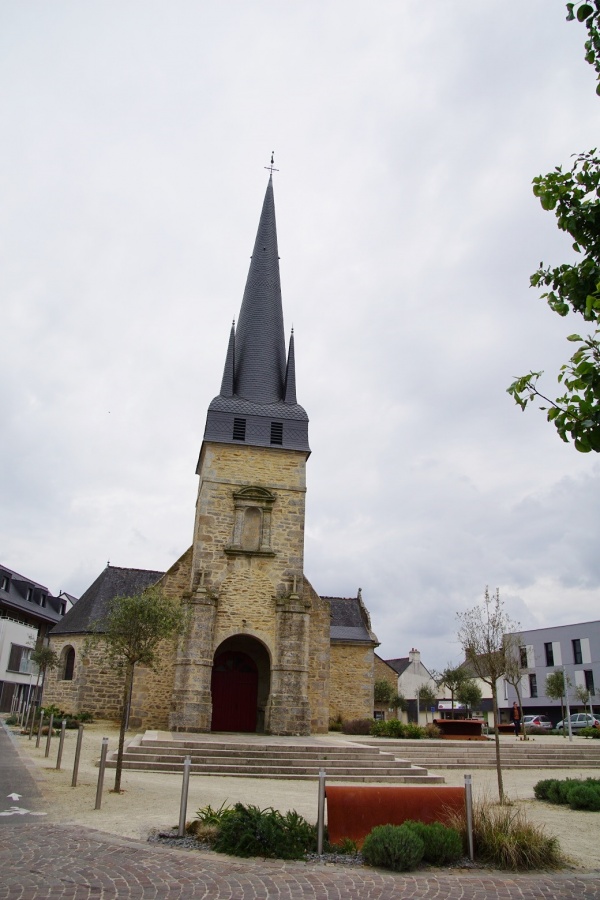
(49,861)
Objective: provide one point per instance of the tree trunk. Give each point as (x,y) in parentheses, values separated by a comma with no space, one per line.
(124,717)
(497,742)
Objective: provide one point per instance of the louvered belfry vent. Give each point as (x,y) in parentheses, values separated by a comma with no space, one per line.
(277,433)
(239,429)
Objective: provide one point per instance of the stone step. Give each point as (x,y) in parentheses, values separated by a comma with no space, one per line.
(384,775)
(280,759)
(276,763)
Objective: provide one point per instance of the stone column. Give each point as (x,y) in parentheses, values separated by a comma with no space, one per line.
(289,709)
(191,701)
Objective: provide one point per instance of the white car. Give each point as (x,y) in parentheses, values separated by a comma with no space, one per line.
(579,721)
(537,722)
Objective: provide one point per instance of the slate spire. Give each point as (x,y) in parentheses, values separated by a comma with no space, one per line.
(257,404)
(227,384)
(290,374)
(259,337)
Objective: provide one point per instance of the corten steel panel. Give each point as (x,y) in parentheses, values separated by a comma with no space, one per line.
(352,812)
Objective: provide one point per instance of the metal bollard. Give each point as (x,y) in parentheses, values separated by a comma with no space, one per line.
(62,743)
(103,753)
(187,765)
(469,810)
(321,812)
(49,738)
(77,755)
(39,734)
(34,708)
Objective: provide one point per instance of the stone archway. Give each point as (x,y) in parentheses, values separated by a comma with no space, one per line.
(240,685)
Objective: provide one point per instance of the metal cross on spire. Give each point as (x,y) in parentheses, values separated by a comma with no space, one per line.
(272,168)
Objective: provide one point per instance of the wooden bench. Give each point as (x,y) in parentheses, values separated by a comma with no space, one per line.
(461,729)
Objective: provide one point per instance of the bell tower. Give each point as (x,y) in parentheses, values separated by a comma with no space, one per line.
(246,657)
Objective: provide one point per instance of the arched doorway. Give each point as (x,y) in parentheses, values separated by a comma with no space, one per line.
(240,685)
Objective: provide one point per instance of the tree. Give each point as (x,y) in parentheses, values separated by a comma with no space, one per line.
(574,195)
(584,696)
(514,673)
(451,678)
(383,691)
(556,689)
(481,635)
(45,659)
(470,694)
(426,697)
(131,633)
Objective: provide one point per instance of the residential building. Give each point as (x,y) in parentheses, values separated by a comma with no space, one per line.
(27,612)
(574,648)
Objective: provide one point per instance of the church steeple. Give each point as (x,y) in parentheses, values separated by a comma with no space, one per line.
(260,340)
(257,404)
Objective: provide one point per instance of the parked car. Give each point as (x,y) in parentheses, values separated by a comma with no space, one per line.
(579,721)
(530,722)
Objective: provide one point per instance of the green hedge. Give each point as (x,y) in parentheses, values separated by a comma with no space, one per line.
(573,792)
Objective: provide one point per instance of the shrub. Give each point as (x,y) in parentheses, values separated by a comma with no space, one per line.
(504,838)
(584,796)
(571,792)
(432,731)
(209,816)
(357,726)
(396,847)
(414,731)
(346,847)
(203,831)
(443,845)
(250,831)
(590,733)
(335,724)
(541,789)
(11,720)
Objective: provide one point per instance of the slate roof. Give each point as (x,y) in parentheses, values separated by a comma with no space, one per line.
(349,620)
(15,604)
(399,665)
(259,383)
(92,606)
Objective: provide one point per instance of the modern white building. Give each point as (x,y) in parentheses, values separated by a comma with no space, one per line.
(576,648)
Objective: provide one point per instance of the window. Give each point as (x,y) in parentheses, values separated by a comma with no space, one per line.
(68,664)
(589,681)
(29,594)
(577,658)
(4,583)
(523,657)
(277,433)
(549,654)
(533,686)
(239,429)
(18,660)
(63,607)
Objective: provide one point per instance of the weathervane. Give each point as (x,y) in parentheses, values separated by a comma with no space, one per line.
(272,168)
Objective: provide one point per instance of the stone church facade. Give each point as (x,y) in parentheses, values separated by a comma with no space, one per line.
(263,651)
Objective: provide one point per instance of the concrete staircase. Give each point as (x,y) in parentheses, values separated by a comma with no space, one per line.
(271,758)
(541,753)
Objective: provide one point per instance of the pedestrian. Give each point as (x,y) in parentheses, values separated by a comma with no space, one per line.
(516,715)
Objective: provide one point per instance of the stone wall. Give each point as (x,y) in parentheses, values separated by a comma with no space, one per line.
(351,681)
(319,661)
(96,687)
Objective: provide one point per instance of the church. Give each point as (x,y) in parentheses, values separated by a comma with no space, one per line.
(264,652)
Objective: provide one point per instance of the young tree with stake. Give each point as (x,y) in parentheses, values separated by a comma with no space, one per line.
(481,634)
(131,634)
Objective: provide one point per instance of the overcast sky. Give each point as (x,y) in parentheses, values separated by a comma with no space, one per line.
(133,136)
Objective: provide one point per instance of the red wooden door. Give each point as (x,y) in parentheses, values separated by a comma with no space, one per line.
(234,688)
